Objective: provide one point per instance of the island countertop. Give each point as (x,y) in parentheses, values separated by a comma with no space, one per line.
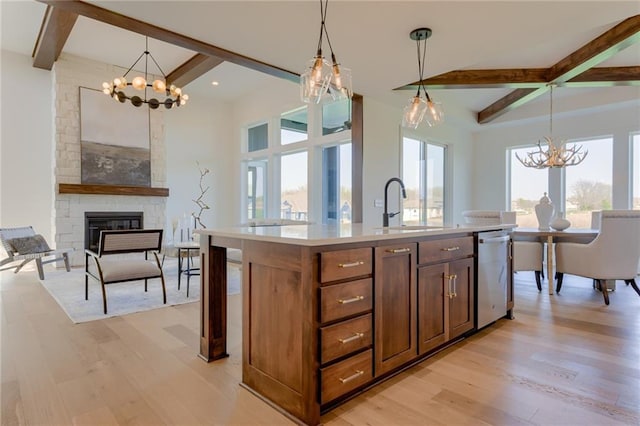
(317,234)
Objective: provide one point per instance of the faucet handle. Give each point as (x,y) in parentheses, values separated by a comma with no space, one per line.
(394,214)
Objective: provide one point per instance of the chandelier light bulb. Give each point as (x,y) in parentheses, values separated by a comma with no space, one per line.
(185,97)
(414,112)
(159,86)
(120,82)
(139,83)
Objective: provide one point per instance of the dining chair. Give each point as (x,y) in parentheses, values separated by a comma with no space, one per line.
(527,256)
(613,255)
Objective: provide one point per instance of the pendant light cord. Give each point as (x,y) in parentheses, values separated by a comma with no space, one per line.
(421,62)
(323,26)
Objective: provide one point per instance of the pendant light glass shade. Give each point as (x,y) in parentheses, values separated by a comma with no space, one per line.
(323,80)
(419,108)
(314,82)
(414,112)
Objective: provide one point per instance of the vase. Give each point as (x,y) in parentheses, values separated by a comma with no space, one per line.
(544,212)
(559,223)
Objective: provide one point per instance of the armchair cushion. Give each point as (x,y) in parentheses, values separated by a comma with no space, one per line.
(28,245)
(125,270)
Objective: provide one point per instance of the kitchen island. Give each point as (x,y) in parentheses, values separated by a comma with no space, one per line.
(329,311)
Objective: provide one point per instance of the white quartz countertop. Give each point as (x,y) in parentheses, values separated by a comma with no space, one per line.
(317,235)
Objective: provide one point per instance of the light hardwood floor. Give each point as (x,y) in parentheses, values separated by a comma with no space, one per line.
(566,359)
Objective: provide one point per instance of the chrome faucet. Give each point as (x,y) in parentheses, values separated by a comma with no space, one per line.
(386,215)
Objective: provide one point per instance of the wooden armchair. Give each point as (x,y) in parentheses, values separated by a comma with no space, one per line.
(129,268)
(23,244)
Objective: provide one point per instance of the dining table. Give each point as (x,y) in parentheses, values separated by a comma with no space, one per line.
(551,236)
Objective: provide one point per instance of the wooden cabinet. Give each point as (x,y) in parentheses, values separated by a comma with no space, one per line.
(395,306)
(346,329)
(446,303)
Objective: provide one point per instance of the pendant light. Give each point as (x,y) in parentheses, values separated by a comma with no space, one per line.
(323,80)
(420,108)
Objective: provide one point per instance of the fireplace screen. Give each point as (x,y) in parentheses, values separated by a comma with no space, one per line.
(94,222)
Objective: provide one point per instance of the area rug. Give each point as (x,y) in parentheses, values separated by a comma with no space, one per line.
(67,288)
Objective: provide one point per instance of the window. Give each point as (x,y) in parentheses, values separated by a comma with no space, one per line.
(257,137)
(336,117)
(304,169)
(526,187)
(293,186)
(256,192)
(336,185)
(588,186)
(293,126)
(423,176)
(635,183)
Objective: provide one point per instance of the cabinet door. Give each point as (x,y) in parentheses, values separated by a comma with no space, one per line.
(395,306)
(432,307)
(461,302)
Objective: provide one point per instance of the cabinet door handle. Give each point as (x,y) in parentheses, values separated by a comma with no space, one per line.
(353,299)
(350,265)
(356,336)
(454,248)
(452,288)
(400,250)
(352,377)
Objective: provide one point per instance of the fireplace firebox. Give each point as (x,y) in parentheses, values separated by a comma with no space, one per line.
(94,222)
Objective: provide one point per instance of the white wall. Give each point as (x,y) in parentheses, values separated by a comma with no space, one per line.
(382,133)
(26,137)
(490,158)
(201,132)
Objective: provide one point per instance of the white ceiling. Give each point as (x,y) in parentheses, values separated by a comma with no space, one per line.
(370,37)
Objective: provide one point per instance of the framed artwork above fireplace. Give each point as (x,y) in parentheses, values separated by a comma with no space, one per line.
(114,141)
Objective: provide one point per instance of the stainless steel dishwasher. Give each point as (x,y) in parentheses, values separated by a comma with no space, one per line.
(493,255)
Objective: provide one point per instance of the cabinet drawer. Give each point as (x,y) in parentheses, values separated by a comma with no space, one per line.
(341,264)
(345,337)
(345,376)
(343,300)
(444,250)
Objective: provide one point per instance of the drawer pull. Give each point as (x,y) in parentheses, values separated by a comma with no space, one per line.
(350,265)
(353,299)
(352,338)
(400,250)
(454,248)
(352,377)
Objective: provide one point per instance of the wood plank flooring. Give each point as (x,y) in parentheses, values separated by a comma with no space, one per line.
(566,359)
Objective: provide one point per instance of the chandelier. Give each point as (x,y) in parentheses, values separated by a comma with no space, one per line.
(323,80)
(174,95)
(554,155)
(417,108)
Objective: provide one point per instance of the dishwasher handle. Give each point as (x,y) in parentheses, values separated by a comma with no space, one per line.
(494,240)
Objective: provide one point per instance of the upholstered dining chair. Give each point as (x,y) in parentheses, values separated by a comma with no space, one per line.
(527,256)
(613,255)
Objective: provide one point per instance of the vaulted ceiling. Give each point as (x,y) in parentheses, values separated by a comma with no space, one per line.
(496,55)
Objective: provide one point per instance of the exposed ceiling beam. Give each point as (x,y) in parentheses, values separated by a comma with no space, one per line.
(192,69)
(597,50)
(509,102)
(118,20)
(575,70)
(54,32)
(522,78)
(517,78)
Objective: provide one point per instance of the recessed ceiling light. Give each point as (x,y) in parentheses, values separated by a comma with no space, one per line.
(215,83)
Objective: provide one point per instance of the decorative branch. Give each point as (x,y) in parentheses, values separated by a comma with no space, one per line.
(199,201)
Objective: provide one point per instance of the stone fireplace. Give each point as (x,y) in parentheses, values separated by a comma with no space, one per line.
(69,210)
(94,222)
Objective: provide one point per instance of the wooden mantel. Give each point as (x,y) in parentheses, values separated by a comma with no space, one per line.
(74,188)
